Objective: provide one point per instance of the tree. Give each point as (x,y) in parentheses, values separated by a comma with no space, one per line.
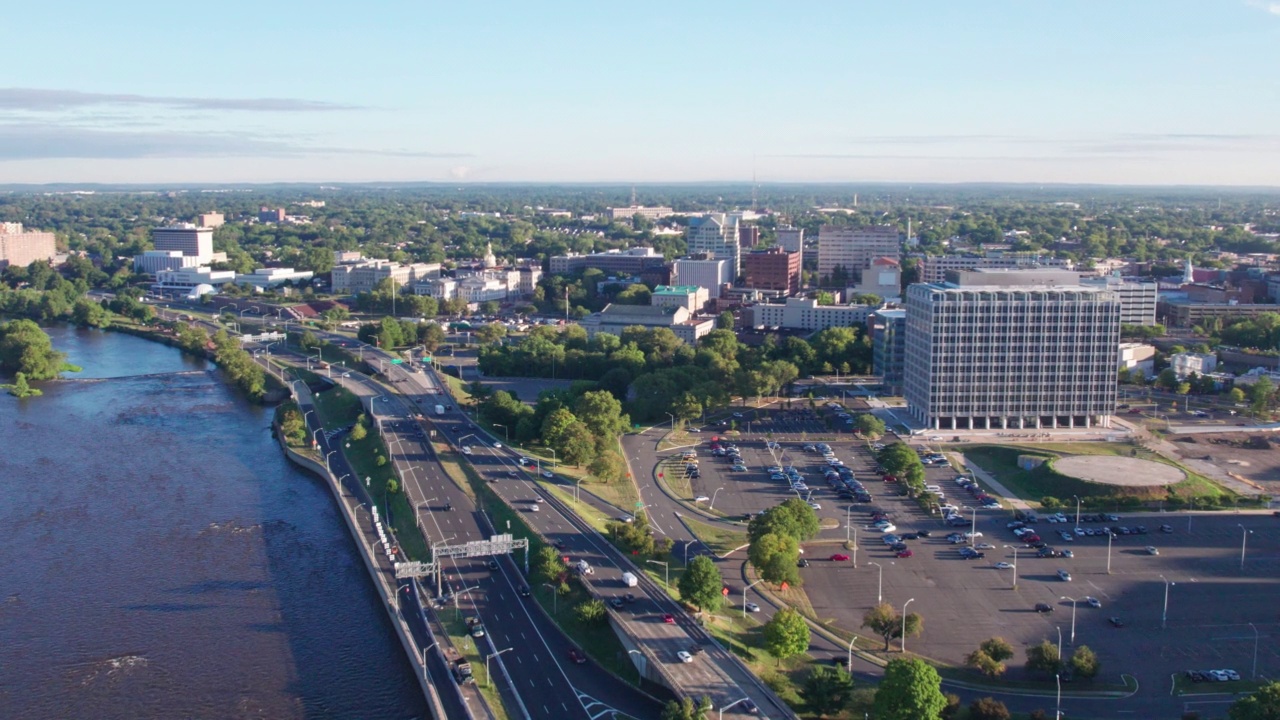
(359,432)
(701,584)
(869,425)
(786,634)
(1264,704)
(910,690)
(1084,662)
(1235,395)
(20,388)
(997,648)
(793,518)
(26,348)
(591,612)
(774,556)
(685,709)
(491,333)
(549,565)
(608,466)
(90,314)
(989,658)
(886,622)
(724,321)
(988,708)
(393,487)
(827,690)
(577,446)
(1044,658)
(602,413)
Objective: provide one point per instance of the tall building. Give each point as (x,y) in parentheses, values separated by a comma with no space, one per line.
(888,330)
(716,234)
(210,220)
(999,349)
(21,247)
(853,249)
(1137,299)
(934,268)
(271,215)
(791,239)
(711,274)
(772,269)
(190,240)
(748,236)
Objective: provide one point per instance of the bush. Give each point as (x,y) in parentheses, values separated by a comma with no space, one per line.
(591,612)
(988,709)
(1049,502)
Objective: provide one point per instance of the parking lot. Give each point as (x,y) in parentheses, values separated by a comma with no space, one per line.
(1211,602)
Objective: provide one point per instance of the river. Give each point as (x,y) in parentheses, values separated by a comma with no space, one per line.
(160,558)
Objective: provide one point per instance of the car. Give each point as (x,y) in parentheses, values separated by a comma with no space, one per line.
(887,528)
(684,656)
(616,603)
(466,449)
(702,499)
(1066,554)
(525,461)
(630,597)
(1231,674)
(1064,576)
(737,414)
(524,591)
(477,631)
(1030,538)
(1196,676)
(576,656)
(1166,528)
(1046,552)
(535,508)
(804,563)
(752,607)
(1092,602)
(924,533)
(1115,622)
(839,557)
(1004,566)
(1044,608)
(814,505)
(985,546)
(906,553)
(1151,550)
(1080,532)
(498,445)
(512,474)
(669,619)
(493,563)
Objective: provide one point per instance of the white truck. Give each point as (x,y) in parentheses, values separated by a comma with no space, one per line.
(630,580)
(439,409)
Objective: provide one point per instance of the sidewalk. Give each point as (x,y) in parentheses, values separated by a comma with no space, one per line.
(1015,502)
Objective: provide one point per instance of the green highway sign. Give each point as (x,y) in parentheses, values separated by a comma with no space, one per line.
(397,361)
(427,359)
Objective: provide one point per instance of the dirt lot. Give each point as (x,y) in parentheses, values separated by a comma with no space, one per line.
(1252,456)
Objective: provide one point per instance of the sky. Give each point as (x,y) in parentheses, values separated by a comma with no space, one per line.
(1148,92)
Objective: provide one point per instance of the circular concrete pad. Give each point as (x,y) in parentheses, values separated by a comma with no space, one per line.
(1114,470)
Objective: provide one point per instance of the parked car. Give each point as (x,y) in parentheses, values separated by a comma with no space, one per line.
(839,557)
(1064,576)
(1044,608)
(1092,602)
(1115,622)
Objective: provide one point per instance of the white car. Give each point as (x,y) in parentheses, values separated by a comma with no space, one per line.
(702,498)
(466,449)
(498,445)
(548,474)
(1004,566)
(1092,602)
(887,529)
(752,607)
(815,506)
(534,508)
(977,534)
(684,656)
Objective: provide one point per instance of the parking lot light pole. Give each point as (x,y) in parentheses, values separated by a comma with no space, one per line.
(880,584)
(1244,537)
(973,525)
(1255,650)
(1109,536)
(1072,641)
(904,624)
(712,506)
(1014,548)
(1059,629)
(849,665)
(1077,497)
(1164,614)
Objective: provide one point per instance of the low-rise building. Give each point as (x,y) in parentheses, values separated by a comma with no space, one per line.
(264,278)
(1138,356)
(1182,311)
(690,297)
(632,261)
(153,261)
(185,280)
(210,220)
(613,319)
(807,314)
(1187,364)
(648,213)
(363,277)
(883,279)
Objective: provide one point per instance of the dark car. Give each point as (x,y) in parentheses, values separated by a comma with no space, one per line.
(524,591)
(1115,622)
(1195,676)
(493,563)
(576,656)
(803,562)
(630,597)
(616,602)
(923,533)
(1044,608)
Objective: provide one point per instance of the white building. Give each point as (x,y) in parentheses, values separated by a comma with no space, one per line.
(934,268)
(441,288)
(184,280)
(1138,356)
(710,274)
(264,278)
(1187,364)
(649,213)
(153,261)
(853,249)
(716,236)
(1137,299)
(791,239)
(807,314)
(883,279)
(1000,349)
(190,240)
(616,318)
(632,260)
(690,297)
(363,277)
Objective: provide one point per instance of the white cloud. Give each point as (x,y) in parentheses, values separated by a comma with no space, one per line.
(1270,6)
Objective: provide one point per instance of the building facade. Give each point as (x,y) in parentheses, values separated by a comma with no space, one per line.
(1011,349)
(853,249)
(613,319)
(648,213)
(187,279)
(791,239)
(710,274)
(1137,299)
(883,279)
(888,330)
(748,236)
(210,220)
(153,261)
(772,269)
(264,278)
(20,248)
(363,277)
(1187,364)
(807,314)
(190,240)
(934,268)
(1138,356)
(271,215)
(690,297)
(631,261)
(716,236)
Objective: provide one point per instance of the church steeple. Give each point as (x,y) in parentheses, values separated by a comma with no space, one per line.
(490,260)
(1188,273)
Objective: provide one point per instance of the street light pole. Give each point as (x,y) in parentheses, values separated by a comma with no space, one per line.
(1014,548)
(904,624)
(726,707)
(744,595)
(666,569)
(555,598)
(1077,497)
(487,679)
(1244,536)
(1255,650)
(1109,551)
(712,506)
(1164,614)
(880,584)
(1072,641)
(849,666)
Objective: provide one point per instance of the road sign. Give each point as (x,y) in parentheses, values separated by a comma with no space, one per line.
(396,361)
(427,359)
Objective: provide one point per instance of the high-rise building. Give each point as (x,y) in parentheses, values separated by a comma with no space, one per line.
(999,349)
(716,234)
(210,220)
(21,247)
(1137,299)
(934,268)
(853,249)
(772,269)
(791,239)
(708,273)
(748,236)
(190,240)
(271,215)
(888,330)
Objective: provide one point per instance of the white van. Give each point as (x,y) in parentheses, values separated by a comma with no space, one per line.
(933,489)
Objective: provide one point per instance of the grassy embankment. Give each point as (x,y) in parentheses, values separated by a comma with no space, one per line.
(1033,485)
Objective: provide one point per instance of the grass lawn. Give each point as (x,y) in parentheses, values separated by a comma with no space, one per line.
(1032,485)
(455,626)
(721,540)
(338,407)
(672,470)
(745,638)
(621,494)
(592,516)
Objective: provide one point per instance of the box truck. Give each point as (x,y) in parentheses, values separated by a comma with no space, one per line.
(630,580)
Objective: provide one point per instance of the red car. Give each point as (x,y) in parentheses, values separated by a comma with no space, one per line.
(905,554)
(669,619)
(838,557)
(576,656)
(889,478)
(1032,538)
